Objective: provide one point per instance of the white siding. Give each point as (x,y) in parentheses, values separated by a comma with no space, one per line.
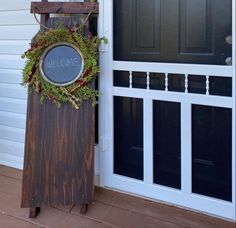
(14,5)
(17,27)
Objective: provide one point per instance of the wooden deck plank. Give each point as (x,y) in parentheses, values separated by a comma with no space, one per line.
(79,221)
(96,211)
(10,205)
(10,222)
(159,210)
(10,172)
(10,186)
(124,218)
(49,217)
(110,209)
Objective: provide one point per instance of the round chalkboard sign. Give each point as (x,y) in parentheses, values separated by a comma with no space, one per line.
(62,64)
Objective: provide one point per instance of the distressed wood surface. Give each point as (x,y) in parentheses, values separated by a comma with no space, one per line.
(64,7)
(34,212)
(59,154)
(59,151)
(44,18)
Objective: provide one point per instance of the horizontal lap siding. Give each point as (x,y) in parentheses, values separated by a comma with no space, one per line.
(13,47)
(14,5)
(17,27)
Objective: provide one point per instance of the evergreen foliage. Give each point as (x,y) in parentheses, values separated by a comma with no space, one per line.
(79,90)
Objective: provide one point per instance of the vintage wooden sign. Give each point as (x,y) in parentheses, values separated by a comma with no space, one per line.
(62,64)
(59,147)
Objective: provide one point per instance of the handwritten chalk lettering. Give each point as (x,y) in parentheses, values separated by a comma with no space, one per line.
(62,63)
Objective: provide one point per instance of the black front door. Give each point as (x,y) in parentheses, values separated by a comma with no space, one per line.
(179,31)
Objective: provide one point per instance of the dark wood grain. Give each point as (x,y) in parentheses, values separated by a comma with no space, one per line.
(59,154)
(34,212)
(83,208)
(59,143)
(64,7)
(44,18)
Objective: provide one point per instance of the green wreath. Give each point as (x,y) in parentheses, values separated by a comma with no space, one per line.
(78,91)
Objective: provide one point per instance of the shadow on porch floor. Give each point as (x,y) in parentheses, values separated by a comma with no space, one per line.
(110,209)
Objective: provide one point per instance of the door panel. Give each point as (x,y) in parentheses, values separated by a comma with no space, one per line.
(137,29)
(181,31)
(196,27)
(146,15)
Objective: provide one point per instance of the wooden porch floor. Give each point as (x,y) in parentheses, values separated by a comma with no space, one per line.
(110,209)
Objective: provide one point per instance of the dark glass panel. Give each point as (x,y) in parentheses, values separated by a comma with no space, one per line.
(128,137)
(176,82)
(157,81)
(139,80)
(221,86)
(167,145)
(197,84)
(212,151)
(121,78)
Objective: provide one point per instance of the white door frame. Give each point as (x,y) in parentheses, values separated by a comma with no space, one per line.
(146,188)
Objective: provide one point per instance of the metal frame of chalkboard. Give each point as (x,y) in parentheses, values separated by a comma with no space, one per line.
(45,54)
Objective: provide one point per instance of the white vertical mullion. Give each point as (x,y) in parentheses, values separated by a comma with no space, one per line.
(148,140)
(186,148)
(234,107)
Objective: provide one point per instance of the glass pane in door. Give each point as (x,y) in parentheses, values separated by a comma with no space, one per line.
(128,137)
(212,151)
(167,145)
